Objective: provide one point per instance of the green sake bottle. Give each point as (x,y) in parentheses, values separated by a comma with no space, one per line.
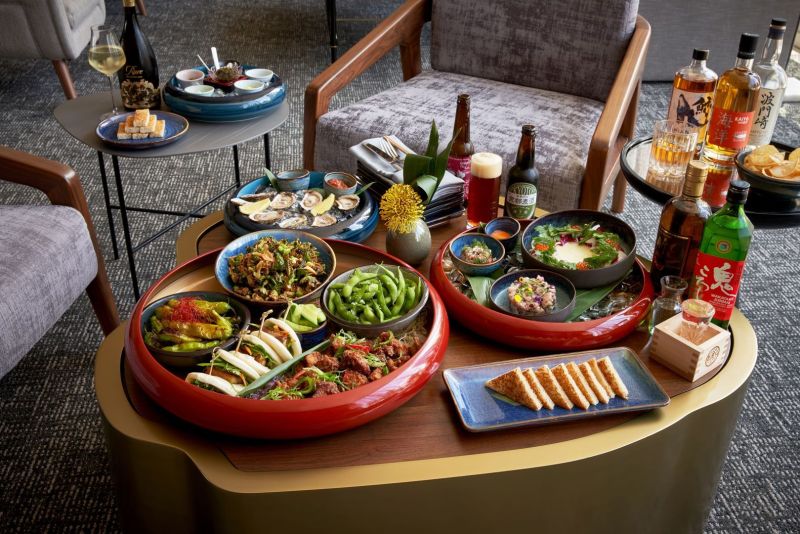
(723,251)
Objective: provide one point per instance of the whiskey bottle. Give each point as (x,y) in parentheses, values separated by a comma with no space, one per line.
(735,103)
(723,251)
(773,85)
(693,94)
(138,79)
(523,178)
(680,228)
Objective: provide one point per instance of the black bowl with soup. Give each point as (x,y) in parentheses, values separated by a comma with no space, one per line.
(585,261)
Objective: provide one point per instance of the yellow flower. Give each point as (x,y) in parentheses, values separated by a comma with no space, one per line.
(401,208)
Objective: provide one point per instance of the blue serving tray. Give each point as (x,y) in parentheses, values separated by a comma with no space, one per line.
(357,232)
(175,127)
(482,409)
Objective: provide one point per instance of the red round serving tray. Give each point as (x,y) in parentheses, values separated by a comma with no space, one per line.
(288,418)
(539,335)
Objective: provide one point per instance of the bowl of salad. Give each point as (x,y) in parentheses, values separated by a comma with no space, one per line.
(590,248)
(534,294)
(477,254)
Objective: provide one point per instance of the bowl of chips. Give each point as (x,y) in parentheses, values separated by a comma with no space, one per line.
(774,175)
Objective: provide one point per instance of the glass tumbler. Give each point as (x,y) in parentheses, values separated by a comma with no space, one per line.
(668,304)
(672,149)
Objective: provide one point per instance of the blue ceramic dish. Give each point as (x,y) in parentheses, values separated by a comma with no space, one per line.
(175,127)
(356,229)
(349,179)
(505,224)
(312,338)
(481,409)
(191,359)
(591,277)
(475,269)
(233,108)
(294,180)
(239,246)
(565,295)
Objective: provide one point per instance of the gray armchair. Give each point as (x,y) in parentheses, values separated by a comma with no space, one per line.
(570,67)
(57,30)
(48,256)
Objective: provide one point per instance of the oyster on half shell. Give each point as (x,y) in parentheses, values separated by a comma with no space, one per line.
(310,199)
(299,221)
(266,217)
(323,220)
(283,201)
(253,197)
(347,202)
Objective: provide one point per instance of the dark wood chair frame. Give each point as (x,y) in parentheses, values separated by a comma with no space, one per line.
(63,187)
(402,28)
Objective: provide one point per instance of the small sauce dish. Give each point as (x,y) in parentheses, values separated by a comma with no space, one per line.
(262,75)
(244,87)
(190,77)
(200,90)
(339,183)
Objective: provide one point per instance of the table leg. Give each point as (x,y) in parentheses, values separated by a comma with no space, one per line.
(267,157)
(125,228)
(236,165)
(107,198)
(330,11)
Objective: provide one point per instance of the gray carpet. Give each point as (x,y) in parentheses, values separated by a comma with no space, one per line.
(53,464)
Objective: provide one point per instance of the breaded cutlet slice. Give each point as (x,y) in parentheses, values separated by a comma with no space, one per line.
(553,388)
(583,385)
(570,387)
(612,377)
(537,388)
(601,378)
(514,386)
(597,387)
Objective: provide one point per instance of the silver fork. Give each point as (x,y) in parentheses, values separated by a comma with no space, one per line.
(389,149)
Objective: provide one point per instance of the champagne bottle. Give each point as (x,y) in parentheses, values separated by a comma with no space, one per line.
(723,251)
(138,79)
(773,85)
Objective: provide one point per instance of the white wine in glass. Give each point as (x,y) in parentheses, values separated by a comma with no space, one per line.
(107,57)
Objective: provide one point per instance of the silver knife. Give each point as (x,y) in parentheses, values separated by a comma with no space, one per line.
(383,155)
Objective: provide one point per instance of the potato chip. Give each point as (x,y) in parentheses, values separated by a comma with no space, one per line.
(762,161)
(764,150)
(784,170)
(795,155)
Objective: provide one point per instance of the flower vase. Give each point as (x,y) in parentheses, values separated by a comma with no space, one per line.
(412,247)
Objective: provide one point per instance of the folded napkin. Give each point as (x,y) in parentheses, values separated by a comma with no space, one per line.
(378,168)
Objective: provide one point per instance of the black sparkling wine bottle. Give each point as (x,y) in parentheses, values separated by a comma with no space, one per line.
(138,79)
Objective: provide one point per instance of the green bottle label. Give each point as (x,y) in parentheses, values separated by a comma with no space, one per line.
(521,200)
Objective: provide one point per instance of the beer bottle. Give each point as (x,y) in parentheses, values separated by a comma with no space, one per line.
(461,153)
(523,178)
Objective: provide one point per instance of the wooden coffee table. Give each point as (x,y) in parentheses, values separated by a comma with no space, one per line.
(417,468)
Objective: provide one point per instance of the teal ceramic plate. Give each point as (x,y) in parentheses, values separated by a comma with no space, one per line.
(481,409)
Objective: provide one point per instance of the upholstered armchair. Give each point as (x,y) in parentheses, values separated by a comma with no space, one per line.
(572,68)
(57,30)
(48,256)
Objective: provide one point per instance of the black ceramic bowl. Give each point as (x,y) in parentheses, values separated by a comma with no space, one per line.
(769,194)
(191,359)
(565,295)
(583,279)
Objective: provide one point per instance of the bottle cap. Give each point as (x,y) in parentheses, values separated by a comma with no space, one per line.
(463,96)
(700,54)
(737,192)
(777,28)
(529,129)
(747,46)
(696,174)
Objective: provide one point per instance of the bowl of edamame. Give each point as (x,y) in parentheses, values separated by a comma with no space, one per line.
(373,299)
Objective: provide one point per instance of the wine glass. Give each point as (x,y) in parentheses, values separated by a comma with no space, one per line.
(106,56)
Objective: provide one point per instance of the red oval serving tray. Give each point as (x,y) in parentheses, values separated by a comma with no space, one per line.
(288,418)
(539,335)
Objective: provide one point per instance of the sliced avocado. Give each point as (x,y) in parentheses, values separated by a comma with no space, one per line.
(309,313)
(299,327)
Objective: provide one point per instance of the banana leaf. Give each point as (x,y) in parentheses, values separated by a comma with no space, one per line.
(586,298)
(481,284)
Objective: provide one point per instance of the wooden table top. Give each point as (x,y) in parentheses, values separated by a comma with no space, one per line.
(437,431)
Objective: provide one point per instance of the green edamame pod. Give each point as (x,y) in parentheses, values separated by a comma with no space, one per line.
(389,284)
(398,304)
(340,309)
(369,315)
(411,299)
(382,303)
(401,281)
(381,316)
(419,288)
(371,290)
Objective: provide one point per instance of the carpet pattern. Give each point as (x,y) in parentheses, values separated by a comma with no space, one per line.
(54,470)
